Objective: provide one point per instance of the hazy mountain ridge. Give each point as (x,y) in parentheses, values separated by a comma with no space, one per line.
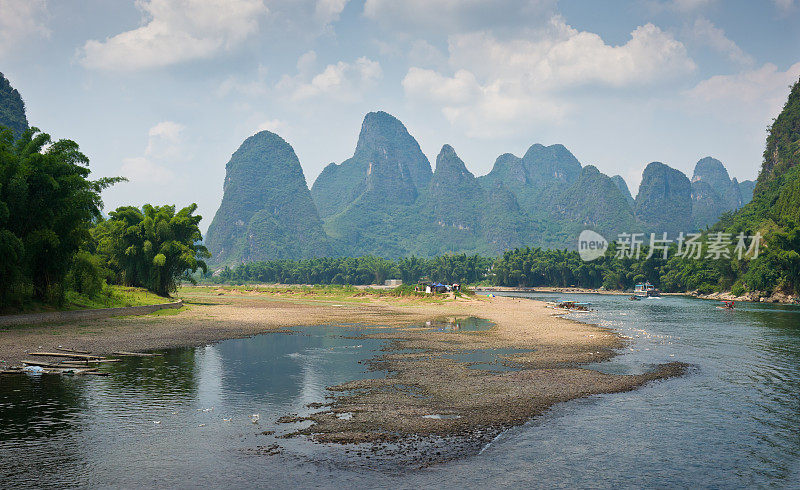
(386,201)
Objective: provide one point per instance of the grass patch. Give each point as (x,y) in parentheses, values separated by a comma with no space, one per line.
(338,293)
(114,297)
(109,297)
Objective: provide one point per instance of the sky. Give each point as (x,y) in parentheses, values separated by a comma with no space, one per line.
(164,91)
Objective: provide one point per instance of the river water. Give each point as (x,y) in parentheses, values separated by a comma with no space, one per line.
(185,418)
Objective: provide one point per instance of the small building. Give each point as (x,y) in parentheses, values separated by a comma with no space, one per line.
(393,282)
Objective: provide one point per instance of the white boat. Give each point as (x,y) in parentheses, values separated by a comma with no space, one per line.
(646,290)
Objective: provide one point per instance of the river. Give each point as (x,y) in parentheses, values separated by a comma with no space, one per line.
(185,418)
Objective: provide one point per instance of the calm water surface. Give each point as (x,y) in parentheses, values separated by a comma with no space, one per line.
(184,418)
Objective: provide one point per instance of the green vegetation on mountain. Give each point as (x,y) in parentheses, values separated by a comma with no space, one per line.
(782,151)
(593,202)
(667,201)
(447,215)
(387,164)
(535,177)
(623,188)
(385,202)
(12,108)
(664,202)
(365,200)
(746,189)
(713,192)
(266,209)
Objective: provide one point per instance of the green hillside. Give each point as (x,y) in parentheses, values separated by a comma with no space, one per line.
(664,202)
(12,108)
(266,209)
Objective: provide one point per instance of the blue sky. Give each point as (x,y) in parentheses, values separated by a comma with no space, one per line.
(164,91)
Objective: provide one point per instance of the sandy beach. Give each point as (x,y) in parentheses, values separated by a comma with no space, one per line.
(470,404)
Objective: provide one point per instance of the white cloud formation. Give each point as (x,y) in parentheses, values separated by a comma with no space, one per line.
(276,126)
(784,5)
(678,6)
(456,15)
(249,88)
(423,53)
(341,81)
(142,170)
(175,31)
(499,83)
(560,55)
(689,5)
(21,20)
(164,147)
(706,32)
(430,86)
(327,11)
(757,94)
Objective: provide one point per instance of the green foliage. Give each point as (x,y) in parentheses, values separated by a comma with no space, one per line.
(87,274)
(47,205)
(460,268)
(782,150)
(266,208)
(12,108)
(153,247)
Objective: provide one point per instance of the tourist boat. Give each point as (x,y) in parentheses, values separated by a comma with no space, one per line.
(727,305)
(646,290)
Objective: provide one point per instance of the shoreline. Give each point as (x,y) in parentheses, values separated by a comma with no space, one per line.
(546,350)
(755,297)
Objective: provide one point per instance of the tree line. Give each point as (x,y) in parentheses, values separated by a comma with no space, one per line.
(449,268)
(775,267)
(54,239)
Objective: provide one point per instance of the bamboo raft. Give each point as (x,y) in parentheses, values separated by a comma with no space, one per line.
(69,361)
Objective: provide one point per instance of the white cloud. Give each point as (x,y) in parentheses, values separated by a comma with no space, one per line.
(757,94)
(327,11)
(164,141)
(483,111)
(560,55)
(679,6)
(784,5)
(175,31)
(142,170)
(306,63)
(422,53)
(303,19)
(456,15)
(21,20)
(689,5)
(251,88)
(501,86)
(276,126)
(430,86)
(164,148)
(706,32)
(342,81)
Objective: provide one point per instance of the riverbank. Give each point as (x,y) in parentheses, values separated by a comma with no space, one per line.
(505,289)
(753,297)
(432,391)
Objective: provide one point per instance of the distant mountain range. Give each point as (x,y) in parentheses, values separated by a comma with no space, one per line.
(386,201)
